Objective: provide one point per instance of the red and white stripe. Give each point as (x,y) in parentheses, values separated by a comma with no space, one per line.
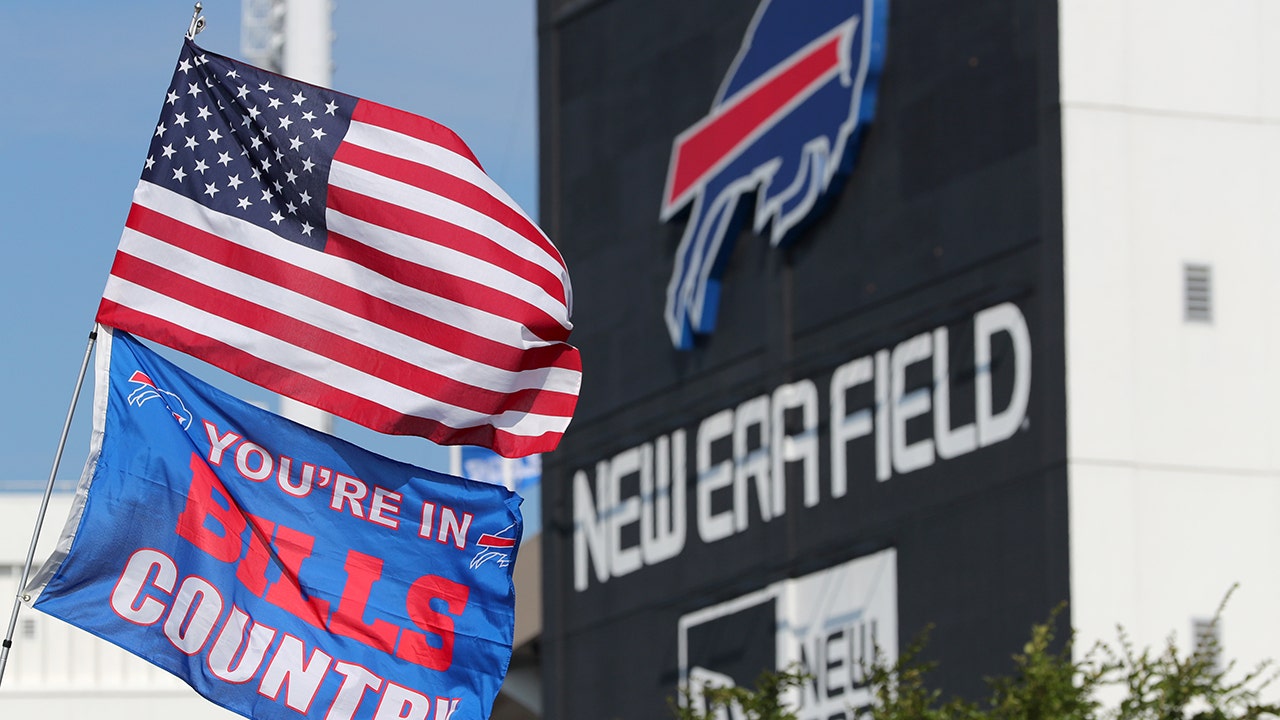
(437,308)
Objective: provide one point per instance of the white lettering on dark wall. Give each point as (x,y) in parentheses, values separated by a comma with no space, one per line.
(598,542)
(835,660)
(773,433)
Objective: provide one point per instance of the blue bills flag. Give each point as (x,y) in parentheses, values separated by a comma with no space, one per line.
(348,255)
(281,572)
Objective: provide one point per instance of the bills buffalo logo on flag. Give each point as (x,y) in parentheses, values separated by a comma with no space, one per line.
(279,571)
(784,126)
(348,255)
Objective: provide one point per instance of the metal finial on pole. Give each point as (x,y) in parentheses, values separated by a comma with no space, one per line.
(197,23)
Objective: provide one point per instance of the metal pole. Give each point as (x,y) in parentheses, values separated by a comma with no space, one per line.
(19,597)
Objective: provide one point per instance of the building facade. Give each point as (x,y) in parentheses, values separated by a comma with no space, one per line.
(892,316)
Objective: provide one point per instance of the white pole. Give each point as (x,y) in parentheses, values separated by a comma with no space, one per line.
(308,41)
(306,54)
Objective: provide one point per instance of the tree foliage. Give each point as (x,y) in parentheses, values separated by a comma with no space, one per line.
(762,702)
(1046,683)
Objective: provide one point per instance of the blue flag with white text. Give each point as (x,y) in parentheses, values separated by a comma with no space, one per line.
(280,571)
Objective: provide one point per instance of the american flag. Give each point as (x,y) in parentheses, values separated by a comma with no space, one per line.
(346,254)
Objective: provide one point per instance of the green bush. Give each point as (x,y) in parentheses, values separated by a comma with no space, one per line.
(762,702)
(1046,684)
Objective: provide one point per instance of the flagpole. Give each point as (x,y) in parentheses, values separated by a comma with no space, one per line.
(196,26)
(19,597)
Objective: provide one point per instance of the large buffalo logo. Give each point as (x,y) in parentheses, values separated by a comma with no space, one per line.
(784,125)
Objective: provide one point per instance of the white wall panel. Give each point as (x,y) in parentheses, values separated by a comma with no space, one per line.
(1171,142)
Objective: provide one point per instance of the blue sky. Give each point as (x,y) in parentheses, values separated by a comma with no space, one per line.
(84,85)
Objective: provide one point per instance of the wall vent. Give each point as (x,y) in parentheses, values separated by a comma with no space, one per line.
(1207,639)
(1197,283)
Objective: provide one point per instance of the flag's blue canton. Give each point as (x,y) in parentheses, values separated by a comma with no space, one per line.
(249,143)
